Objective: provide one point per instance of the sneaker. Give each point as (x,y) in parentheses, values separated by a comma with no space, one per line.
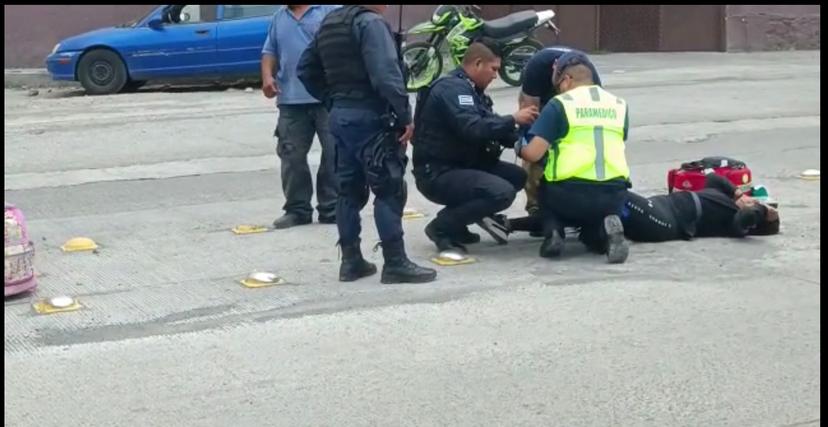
(496,227)
(290,220)
(617,247)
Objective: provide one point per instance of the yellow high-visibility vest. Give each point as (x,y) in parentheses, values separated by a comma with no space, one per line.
(593,149)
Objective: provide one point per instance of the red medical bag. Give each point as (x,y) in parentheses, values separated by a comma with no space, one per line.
(690,176)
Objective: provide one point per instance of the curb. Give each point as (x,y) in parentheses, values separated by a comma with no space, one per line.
(24,78)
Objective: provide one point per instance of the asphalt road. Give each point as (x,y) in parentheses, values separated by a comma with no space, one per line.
(713,332)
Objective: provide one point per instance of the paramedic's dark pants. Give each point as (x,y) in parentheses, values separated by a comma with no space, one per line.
(580,204)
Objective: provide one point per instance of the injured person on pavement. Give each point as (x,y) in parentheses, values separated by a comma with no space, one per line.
(718,210)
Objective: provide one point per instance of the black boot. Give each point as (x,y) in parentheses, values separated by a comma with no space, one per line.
(441,238)
(399,269)
(553,244)
(353,265)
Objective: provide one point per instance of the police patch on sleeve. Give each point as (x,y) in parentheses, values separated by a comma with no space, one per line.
(465,99)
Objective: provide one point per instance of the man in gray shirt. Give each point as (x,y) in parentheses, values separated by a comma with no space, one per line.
(300,116)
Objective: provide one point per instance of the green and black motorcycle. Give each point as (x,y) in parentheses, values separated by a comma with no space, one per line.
(457,26)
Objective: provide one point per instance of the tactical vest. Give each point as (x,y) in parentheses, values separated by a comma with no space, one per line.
(345,73)
(593,149)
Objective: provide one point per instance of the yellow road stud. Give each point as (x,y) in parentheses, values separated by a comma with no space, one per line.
(412,214)
(59,304)
(262,280)
(249,229)
(451,258)
(79,244)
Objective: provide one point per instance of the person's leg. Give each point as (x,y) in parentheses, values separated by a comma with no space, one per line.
(532,223)
(326,187)
(512,173)
(353,195)
(549,198)
(294,133)
(469,195)
(597,207)
(648,219)
(387,181)
(534,174)
(498,225)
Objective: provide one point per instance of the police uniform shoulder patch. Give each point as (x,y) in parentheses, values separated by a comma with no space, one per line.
(465,99)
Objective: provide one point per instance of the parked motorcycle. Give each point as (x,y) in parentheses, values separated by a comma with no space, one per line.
(457,26)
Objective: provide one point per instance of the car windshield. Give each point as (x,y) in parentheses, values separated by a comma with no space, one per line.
(135,22)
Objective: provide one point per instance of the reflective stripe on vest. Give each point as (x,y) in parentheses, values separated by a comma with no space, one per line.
(593,149)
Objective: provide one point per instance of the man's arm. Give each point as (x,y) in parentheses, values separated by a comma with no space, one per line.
(310,72)
(382,64)
(471,121)
(270,51)
(525,100)
(720,183)
(550,127)
(536,149)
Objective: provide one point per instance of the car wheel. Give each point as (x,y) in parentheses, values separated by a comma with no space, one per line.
(101,72)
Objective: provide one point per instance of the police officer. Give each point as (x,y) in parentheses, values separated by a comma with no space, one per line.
(354,66)
(583,131)
(457,146)
(537,90)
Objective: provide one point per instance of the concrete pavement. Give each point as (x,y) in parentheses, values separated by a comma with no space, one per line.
(710,332)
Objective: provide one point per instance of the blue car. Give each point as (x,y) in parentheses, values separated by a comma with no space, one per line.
(172,41)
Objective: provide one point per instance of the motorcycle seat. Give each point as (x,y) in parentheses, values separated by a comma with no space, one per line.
(510,24)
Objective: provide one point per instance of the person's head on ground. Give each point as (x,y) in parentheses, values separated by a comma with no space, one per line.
(571,71)
(482,62)
(768,221)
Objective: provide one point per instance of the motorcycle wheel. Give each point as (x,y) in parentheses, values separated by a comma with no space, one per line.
(423,64)
(515,59)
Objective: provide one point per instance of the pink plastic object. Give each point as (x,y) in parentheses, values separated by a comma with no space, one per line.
(18,253)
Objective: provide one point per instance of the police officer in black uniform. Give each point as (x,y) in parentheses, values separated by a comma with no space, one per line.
(457,145)
(355,67)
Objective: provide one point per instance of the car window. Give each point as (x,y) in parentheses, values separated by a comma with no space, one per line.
(239,11)
(192,13)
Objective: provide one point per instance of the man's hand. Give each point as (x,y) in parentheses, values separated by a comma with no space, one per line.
(526,116)
(269,87)
(406,136)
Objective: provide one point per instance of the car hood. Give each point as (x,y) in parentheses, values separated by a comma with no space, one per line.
(106,36)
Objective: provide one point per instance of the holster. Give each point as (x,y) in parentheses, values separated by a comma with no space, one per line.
(385,161)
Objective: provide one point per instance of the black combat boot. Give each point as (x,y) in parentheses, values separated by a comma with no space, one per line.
(353,265)
(399,269)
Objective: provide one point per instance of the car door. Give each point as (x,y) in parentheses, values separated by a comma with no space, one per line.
(177,49)
(242,30)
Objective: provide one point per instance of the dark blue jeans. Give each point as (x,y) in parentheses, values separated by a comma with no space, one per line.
(353,130)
